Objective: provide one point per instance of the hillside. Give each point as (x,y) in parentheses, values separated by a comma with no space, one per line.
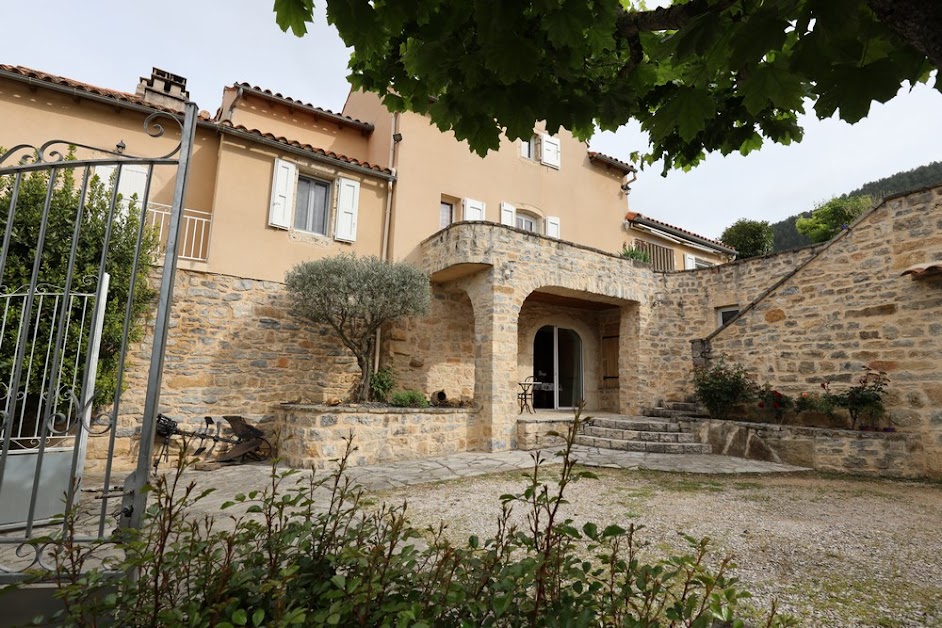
(786,237)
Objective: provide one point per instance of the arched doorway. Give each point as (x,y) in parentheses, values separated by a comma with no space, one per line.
(557,365)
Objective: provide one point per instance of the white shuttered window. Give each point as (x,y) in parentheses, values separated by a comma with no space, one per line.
(549,151)
(348,201)
(473,210)
(552,227)
(508,214)
(282,194)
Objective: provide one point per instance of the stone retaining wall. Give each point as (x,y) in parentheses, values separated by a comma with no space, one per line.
(846,451)
(849,308)
(313,435)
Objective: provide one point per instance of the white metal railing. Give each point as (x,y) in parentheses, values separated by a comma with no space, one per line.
(194,238)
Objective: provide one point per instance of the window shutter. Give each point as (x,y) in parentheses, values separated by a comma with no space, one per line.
(348,201)
(690,262)
(133,180)
(549,151)
(525,149)
(282,194)
(508,214)
(552,227)
(473,210)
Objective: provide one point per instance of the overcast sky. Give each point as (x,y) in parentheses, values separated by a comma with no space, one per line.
(111,43)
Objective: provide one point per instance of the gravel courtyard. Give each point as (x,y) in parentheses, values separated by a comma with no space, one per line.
(834,550)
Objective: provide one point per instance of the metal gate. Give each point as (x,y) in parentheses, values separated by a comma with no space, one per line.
(76,260)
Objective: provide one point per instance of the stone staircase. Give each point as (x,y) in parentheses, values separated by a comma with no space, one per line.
(657,431)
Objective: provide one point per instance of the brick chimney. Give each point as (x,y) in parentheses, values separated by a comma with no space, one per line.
(163,89)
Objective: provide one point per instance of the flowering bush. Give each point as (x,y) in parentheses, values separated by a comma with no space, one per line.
(774,403)
(722,385)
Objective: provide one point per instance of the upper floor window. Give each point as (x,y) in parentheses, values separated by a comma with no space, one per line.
(527,222)
(446,214)
(528,148)
(311,208)
(304,203)
(544,148)
(662,257)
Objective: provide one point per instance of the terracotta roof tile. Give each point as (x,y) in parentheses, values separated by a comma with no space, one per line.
(300,103)
(632,216)
(303,146)
(117,96)
(624,166)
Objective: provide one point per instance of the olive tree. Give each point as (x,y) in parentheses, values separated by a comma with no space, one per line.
(356,296)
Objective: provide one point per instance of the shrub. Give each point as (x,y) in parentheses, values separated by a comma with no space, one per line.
(635,253)
(774,403)
(863,400)
(721,385)
(815,403)
(409,399)
(314,555)
(381,383)
(750,238)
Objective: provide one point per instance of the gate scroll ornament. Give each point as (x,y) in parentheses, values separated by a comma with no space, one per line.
(44,379)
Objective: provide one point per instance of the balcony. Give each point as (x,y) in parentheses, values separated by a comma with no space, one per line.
(194,235)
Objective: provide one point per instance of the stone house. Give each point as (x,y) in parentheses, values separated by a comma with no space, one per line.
(522,248)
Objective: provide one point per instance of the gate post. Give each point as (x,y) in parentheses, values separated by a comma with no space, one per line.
(133,515)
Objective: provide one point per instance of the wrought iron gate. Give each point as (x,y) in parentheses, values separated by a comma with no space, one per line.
(67,235)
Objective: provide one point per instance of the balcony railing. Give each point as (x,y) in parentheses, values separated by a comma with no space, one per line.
(194,237)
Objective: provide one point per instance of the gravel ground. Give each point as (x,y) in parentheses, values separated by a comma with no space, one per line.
(833,550)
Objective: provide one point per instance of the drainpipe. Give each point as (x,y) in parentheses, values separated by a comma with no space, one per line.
(387,219)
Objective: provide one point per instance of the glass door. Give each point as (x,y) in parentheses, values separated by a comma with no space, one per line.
(557,366)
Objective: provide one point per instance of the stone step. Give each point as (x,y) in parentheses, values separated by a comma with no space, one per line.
(636,423)
(668,413)
(684,406)
(638,435)
(643,446)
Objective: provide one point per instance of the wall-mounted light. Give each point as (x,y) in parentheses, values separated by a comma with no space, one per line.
(397,137)
(120,146)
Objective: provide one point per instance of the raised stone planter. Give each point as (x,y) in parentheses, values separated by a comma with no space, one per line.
(312,435)
(868,453)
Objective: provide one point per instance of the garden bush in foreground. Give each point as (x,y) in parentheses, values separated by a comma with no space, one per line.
(313,553)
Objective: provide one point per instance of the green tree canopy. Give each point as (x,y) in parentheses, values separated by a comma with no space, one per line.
(830,217)
(750,238)
(700,76)
(356,296)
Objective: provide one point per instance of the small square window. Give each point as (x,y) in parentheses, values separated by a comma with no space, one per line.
(725,314)
(446,214)
(311,207)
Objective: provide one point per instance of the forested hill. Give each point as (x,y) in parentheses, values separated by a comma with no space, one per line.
(786,237)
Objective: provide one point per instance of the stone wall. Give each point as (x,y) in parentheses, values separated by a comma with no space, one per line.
(435,351)
(538,432)
(686,305)
(313,435)
(867,453)
(848,308)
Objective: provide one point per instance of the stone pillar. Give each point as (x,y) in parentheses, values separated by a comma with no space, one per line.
(701,352)
(496,310)
(630,363)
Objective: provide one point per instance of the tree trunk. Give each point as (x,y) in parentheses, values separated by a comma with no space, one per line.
(919,22)
(366,372)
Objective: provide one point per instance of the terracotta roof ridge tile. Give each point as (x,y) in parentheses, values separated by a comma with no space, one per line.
(296,101)
(613,160)
(631,216)
(305,146)
(88,88)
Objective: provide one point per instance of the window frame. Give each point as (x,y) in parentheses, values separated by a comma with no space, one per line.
(726,309)
(451,213)
(328,202)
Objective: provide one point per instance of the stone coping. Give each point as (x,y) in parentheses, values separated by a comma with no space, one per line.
(360,409)
(544,419)
(806,431)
